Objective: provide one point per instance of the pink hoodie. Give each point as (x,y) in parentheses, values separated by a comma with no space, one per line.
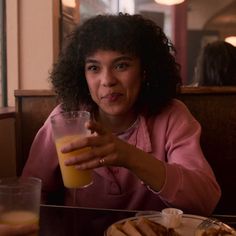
(172,136)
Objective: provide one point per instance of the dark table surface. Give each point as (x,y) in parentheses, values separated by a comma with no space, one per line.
(77,221)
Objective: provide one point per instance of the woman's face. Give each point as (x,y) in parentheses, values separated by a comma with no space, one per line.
(114,80)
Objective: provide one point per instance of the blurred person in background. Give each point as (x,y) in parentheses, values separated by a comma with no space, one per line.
(216,65)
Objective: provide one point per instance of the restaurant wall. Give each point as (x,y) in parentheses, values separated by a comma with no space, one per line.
(32,43)
(32,28)
(7,144)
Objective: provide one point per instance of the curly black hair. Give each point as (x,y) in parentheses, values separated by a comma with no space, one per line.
(124,33)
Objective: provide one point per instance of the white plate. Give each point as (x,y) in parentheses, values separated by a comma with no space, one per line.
(187,227)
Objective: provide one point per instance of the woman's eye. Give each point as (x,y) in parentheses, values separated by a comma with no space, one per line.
(122,66)
(92,68)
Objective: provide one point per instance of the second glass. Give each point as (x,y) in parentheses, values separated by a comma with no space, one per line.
(20,201)
(68,126)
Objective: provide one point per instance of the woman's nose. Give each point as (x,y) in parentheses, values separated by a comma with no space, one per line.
(108,79)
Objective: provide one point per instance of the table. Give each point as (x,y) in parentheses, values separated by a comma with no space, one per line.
(78,221)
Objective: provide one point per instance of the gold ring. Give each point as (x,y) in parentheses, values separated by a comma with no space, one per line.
(102,161)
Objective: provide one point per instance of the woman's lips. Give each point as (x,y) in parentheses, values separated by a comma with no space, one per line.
(112,97)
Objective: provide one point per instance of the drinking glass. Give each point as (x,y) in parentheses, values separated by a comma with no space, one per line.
(69,126)
(20,200)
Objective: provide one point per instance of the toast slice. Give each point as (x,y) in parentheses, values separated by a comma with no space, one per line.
(141,227)
(145,228)
(130,228)
(150,228)
(116,230)
(172,232)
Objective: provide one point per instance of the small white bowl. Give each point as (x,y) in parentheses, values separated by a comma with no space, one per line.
(172,217)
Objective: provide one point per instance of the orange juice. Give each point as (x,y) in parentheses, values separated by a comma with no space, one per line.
(19,217)
(72,177)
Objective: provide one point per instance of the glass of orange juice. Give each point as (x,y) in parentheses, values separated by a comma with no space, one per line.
(20,201)
(68,126)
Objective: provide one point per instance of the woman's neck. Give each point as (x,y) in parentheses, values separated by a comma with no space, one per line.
(117,124)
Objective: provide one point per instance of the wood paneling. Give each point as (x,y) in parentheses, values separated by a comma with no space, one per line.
(7,142)
(215,109)
(32,109)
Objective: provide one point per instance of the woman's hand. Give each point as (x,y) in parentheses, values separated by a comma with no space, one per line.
(105,149)
(108,150)
(17,230)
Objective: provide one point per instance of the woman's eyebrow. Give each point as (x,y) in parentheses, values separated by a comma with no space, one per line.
(126,58)
(90,60)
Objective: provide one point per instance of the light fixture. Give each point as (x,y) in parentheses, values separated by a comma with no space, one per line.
(169,2)
(69,3)
(231,40)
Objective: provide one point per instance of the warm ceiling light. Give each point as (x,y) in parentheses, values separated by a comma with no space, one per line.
(231,40)
(169,2)
(69,3)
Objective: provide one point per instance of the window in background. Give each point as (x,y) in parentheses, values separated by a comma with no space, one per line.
(77,11)
(3,84)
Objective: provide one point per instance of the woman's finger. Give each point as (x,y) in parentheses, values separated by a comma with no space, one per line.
(96,127)
(95,153)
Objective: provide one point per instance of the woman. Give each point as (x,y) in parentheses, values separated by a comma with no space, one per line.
(216,65)
(145,149)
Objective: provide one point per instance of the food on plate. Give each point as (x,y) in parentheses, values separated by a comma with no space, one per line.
(116,230)
(141,227)
(129,227)
(216,231)
(150,228)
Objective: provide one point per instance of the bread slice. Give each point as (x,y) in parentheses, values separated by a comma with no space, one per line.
(156,227)
(172,232)
(141,227)
(130,229)
(116,230)
(144,227)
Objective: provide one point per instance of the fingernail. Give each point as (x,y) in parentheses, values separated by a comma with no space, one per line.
(63,150)
(67,162)
(79,167)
